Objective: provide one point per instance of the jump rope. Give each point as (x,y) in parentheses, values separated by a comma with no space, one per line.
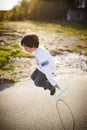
(60,100)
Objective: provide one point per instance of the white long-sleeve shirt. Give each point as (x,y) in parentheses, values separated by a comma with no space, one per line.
(45,63)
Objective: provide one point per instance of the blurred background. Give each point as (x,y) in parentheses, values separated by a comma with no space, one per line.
(61,26)
(43,10)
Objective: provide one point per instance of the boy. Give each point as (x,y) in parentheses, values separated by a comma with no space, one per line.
(43,75)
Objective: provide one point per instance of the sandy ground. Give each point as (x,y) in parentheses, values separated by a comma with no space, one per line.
(26,107)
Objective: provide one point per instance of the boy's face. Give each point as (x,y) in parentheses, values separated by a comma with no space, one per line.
(28,49)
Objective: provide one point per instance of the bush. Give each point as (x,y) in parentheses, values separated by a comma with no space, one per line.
(15,52)
(1,72)
(4,58)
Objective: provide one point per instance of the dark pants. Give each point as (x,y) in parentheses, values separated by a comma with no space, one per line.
(40,79)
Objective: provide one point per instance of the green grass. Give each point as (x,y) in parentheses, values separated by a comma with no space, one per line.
(65,27)
(84,37)
(1,72)
(8,52)
(4,58)
(79,48)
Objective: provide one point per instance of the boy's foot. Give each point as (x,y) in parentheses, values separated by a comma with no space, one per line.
(52,91)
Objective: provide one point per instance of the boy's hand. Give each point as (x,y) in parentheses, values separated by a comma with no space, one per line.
(57,86)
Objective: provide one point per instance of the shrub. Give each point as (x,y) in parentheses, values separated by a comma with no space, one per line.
(4,58)
(1,72)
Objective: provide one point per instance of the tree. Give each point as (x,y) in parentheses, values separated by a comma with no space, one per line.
(24,6)
(42,9)
(47,9)
(14,13)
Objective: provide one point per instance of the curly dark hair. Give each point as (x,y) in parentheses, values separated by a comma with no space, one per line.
(30,40)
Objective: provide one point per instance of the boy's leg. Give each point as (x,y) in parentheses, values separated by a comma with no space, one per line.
(34,74)
(40,80)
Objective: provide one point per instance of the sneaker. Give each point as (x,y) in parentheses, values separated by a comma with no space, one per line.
(52,91)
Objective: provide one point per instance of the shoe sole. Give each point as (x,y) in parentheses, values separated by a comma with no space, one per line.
(52,92)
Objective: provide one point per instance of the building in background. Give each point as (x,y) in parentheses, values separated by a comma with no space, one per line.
(78,12)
